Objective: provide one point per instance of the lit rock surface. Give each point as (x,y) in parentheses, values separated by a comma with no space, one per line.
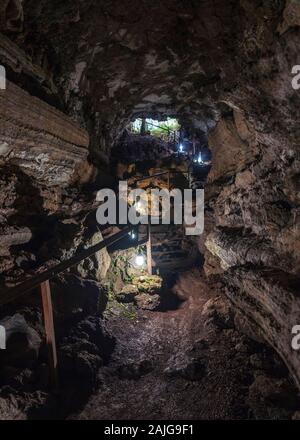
(254,243)
(223,68)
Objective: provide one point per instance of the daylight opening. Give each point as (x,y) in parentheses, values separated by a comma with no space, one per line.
(167,130)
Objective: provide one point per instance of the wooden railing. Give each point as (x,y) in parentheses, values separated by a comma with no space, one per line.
(168,172)
(12,293)
(41,280)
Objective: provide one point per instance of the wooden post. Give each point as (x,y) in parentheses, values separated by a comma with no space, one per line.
(149,252)
(50,334)
(143,127)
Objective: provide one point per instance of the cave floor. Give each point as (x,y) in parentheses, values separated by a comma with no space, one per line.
(189,363)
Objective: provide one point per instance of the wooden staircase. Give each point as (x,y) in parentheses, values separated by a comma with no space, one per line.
(171,248)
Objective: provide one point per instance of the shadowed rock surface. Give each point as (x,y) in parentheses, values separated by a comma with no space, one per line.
(77,73)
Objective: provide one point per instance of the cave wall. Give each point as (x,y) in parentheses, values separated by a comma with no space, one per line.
(252,233)
(44,160)
(252,241)
(113,60)
(222,66)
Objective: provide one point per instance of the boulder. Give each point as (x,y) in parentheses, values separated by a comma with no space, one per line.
(127,294)
(73,295)
(22,343)
(185,367)
(134,370)
(145,301)
(148,284)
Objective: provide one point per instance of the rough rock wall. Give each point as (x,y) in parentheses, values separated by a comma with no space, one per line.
(117,59)
(44,162)
(46,171)
(112,61)
(223,62)
(252,243)
(252,225)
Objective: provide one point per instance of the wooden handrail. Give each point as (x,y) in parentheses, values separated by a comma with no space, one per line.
(12,293)
(41,280)
(151,176)
(161,174)
(9,294)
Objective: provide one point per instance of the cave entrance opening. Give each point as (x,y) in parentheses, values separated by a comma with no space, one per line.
(167,130)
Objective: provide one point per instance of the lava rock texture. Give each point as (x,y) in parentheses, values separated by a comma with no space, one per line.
(223,68)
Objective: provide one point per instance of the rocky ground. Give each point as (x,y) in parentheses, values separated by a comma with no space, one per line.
(174,355)
(189,363)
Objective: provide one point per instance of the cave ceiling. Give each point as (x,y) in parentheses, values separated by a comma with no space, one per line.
(121,59)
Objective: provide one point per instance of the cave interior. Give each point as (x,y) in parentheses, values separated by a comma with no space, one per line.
(121,321)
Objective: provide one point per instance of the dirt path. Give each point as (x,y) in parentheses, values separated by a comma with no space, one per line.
(187,363)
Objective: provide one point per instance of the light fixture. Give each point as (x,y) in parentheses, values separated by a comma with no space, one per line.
(200,158)
(132,234)
(140,260)
(181,148)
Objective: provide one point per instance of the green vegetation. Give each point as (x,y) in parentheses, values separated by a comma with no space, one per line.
(157,128)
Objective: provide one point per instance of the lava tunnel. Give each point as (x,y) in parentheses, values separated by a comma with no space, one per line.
(149,210)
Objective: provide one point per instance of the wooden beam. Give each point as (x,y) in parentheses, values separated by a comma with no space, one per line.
(143,127)
(50,334)
(149,251)
(9,294)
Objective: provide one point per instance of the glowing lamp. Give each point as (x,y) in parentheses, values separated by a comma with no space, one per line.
(139,260)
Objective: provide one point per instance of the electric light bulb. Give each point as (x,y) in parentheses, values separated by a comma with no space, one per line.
(139,260)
